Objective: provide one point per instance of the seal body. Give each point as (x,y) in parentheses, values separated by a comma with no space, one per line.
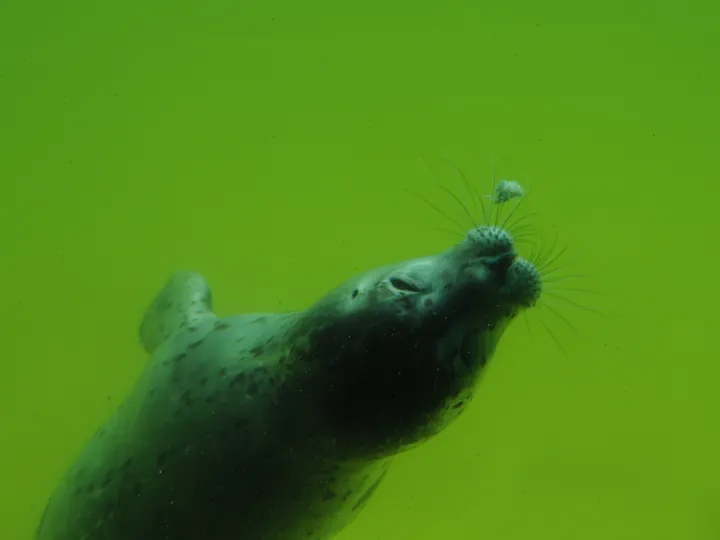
(281,426)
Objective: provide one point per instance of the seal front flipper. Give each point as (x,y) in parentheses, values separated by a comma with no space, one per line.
(184,303)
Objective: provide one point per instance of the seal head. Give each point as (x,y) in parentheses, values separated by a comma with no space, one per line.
(396,352)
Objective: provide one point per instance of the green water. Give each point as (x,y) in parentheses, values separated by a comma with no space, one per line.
(270,147)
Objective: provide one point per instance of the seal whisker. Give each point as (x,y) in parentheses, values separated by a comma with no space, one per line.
(537,256)
(546,265)
(473,220)
(460,227)
(449,231)
(462,205)
(527,230)
(558,279)
(524,235)
(526,239)
(557,342)
(549,272)
(543,258)
(511,226)
(572,303)
(527,323)
(559,315)
(575,289)
(492,197)
(474,194)
(512,212)
(537,250)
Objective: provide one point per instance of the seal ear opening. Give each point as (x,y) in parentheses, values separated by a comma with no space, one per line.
(183,303)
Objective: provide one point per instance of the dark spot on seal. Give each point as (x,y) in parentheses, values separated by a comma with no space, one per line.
(212,397)
(259,320)
(186,398)
(220,325)
(466,356)
(222,372)
(458,405)
(239,378)
(108,479)
(257,351)
(179,356)
(428,302)
(195,344)
(354,294)
(329,495)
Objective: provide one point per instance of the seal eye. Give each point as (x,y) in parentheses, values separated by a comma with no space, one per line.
(402,285)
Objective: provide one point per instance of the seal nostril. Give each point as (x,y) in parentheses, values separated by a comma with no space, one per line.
(402,285)
(499,265)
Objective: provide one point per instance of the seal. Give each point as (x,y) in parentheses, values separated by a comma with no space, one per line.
(281,426)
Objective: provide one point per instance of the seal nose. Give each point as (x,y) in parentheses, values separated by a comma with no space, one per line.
(499,266)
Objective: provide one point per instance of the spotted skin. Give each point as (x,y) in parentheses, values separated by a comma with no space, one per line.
(282,426)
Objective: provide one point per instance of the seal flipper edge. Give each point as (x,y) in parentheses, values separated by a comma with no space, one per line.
(184,302)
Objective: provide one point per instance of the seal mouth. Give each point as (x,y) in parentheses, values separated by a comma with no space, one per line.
(500,266)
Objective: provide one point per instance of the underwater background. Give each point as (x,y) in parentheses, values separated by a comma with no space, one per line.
(271,146)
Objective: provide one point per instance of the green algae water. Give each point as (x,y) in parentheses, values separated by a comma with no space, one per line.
(271,148)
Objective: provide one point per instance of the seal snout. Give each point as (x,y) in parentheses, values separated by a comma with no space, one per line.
(523,282)
(495,261)
(499,266)
(490,240)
